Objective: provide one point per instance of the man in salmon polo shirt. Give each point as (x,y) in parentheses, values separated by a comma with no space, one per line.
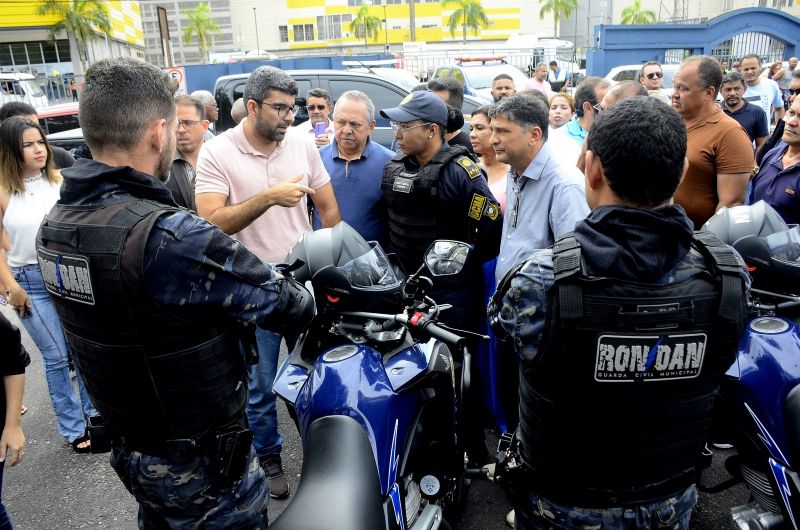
(719,153)
(253,182)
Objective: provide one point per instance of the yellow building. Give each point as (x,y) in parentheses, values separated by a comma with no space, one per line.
(300,24)
(24,42)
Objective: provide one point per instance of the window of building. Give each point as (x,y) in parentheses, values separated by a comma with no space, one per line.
(354,3)
(330,27)
(303,32)
(284,33)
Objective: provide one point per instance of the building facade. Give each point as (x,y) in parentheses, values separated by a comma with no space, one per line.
(25,44)
(177,17)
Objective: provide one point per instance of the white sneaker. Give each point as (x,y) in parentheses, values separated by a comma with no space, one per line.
(511,519)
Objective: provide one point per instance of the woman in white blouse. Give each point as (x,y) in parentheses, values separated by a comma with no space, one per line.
(29,187)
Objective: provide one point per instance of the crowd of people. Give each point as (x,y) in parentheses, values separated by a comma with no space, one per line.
(577,207)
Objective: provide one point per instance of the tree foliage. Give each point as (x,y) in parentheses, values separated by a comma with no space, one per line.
(365,24)
(468,14)
(559,8)
(201,25)
(634,14)
(81,20)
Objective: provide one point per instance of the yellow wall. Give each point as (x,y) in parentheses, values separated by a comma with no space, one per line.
(125,17)
(505,21)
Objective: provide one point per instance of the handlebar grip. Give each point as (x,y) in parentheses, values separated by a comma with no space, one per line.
(443,335)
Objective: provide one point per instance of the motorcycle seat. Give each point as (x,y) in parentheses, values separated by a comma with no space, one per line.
(339,486)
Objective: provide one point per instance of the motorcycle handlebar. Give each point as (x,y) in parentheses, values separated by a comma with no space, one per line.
(428,326)
(443,335)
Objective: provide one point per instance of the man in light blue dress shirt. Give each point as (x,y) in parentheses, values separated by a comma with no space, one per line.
(544,197)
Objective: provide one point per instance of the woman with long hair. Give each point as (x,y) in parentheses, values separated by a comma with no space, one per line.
(562,107)
(496,172)
(29,187)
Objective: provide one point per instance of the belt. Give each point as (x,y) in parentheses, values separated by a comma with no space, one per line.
(176,449)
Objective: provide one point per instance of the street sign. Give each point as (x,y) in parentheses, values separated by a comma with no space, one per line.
(179,76)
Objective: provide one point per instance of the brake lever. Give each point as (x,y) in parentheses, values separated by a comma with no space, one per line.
(457,331)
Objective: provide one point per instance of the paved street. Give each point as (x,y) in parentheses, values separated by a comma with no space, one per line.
(54,488)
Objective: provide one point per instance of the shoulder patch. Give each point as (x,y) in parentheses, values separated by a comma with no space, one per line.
(476,206)
(472,169)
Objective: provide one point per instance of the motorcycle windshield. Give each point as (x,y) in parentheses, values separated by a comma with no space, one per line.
(785,246)
(372,269)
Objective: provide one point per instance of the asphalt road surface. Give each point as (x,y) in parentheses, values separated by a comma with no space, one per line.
(55,488)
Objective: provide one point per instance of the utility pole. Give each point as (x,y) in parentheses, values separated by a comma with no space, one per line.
(412,19)
(385,30)
(258,46)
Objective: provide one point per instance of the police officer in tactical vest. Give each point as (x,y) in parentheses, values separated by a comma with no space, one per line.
(433,190)
(153,300)
(623,329)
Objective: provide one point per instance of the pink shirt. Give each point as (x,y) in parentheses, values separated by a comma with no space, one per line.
(541,86)
(229,165)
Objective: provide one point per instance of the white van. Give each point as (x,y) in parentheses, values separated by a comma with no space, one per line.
(22,87)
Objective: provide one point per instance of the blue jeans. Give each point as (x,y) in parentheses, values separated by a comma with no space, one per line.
(672,513)
(262,414)
(5,520)
(44,327)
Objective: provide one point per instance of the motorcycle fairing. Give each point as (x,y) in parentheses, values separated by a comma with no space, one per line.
(788,487)
(769,368)
(359,387)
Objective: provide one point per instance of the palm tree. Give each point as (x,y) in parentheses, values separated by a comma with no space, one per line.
(201,25)
(559,8)
(469,14)
(634,14)
(80,20)
(370,25)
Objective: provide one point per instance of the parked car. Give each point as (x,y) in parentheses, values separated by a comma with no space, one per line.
(21,87)
(477,74)
(630,72)
(57,118)
(383,92)
(72,141)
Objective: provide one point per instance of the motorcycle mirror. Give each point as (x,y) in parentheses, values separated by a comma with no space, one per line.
(446,258)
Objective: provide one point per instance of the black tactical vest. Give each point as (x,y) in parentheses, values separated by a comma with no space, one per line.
(614,409)
(416,215)
(153,374)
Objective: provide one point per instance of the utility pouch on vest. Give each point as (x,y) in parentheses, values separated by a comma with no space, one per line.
(99,436)
(229,455)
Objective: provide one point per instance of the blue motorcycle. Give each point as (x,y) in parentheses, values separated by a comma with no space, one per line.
(374,388)
(760,397)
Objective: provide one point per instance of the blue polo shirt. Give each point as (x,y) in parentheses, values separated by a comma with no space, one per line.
(574,130)
(357,186)
(778,186)
(752,120)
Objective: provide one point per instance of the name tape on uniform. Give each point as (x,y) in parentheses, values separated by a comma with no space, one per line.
(67,277)
(630,358)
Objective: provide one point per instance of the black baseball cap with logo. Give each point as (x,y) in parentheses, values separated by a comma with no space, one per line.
(425,106)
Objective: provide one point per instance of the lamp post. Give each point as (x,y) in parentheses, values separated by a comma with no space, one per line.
(385,30)
(255,19)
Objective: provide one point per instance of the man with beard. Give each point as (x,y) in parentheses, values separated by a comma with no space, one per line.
(502,86)
(152,299)
(749,116)
(192,127)
(252,182)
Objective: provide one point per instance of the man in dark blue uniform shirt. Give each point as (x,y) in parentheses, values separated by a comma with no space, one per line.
(744,112)
(154,301)
(436,191)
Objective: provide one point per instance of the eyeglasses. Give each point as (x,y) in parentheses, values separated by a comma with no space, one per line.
(280,108)
(312,108)
(405,128)
(187,124)
(653,75)
(597,109)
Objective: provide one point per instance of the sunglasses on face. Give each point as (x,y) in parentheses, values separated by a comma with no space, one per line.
(653,75)
(794,91)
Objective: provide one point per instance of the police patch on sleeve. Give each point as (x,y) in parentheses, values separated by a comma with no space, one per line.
(67,277)
(472,169)
(627,359)
(491,211)
(476,206)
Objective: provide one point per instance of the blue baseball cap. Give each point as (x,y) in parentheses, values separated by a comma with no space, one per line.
(425,106)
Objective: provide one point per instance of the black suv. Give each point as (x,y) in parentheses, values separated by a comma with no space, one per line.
(383,92)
